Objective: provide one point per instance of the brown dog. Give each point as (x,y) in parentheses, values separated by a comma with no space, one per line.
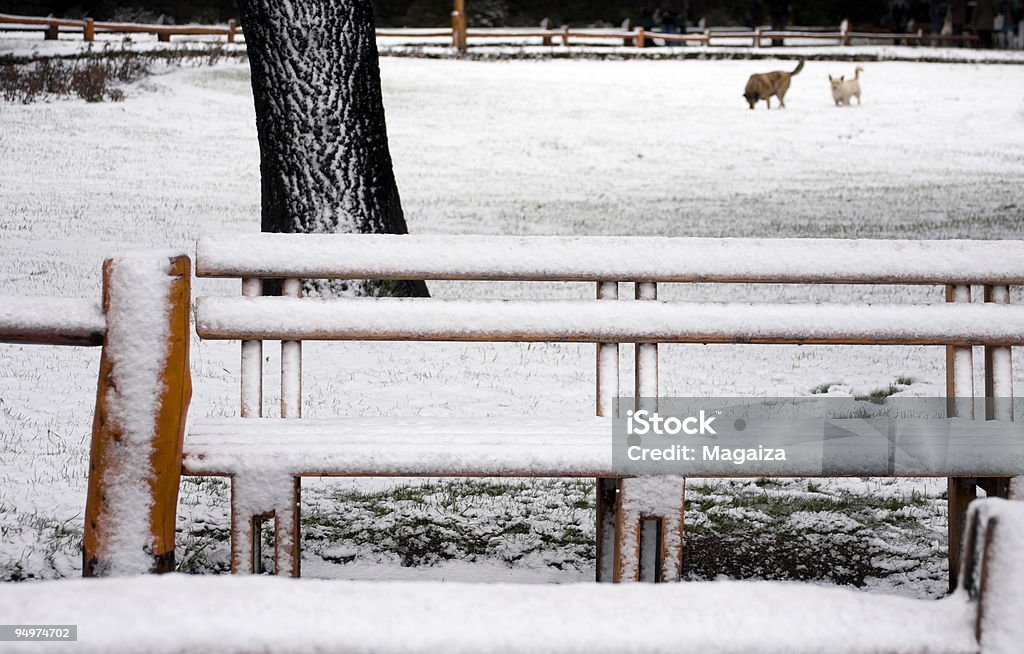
(762,86)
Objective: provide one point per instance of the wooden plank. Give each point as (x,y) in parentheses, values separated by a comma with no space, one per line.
(530,446)
(597,258)
(12,19)
(585,321)
(51,321)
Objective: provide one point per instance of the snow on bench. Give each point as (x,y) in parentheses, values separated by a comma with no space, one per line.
(261,457)
(390,319)
(401,447)
(219,615)
(604,258)
(561,446)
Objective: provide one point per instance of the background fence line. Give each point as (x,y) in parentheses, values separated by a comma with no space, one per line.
(460,33)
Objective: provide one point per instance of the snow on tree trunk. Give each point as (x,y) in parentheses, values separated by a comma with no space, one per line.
(324,158)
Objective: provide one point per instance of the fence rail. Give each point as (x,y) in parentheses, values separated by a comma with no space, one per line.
(51,321)
(460,33)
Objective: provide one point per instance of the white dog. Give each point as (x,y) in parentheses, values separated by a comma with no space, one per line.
(844,89)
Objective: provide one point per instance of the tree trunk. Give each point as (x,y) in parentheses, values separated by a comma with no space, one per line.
(324,160)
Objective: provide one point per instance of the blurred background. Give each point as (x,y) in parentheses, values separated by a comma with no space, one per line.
(576,13)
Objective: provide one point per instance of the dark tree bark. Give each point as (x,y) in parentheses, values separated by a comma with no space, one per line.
(324,160)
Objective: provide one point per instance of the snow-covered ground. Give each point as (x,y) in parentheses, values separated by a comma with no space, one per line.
(517,147)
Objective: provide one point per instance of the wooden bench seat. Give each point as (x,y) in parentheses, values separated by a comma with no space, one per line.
(401,447)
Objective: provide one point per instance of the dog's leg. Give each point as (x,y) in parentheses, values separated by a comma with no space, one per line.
(782,100)
(768,101)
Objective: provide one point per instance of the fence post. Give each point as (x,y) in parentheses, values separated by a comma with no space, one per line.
(141,404)
(163,36)
(52,32)
(232,29)
(959,403)
(546,26)
(565,36)
(757,37)
(707,37)
(639,40)
(844,32)
(89,30)
(459,26)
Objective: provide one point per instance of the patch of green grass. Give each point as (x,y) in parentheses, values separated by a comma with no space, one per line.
(424,524)
(823,534)
(767,528)
(878,396)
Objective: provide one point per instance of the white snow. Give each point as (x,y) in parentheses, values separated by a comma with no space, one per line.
(608,322)
(136,347)
(597,258)
(483,447)
(82,319)
(641,147)
(554,446)
(1001,575)
(174,613)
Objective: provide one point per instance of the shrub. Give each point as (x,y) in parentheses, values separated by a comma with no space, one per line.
(89,79)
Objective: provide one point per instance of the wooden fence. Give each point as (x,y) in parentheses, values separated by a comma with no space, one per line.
(460,33)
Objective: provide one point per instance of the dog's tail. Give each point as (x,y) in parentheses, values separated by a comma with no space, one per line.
(799,67)
(856,72)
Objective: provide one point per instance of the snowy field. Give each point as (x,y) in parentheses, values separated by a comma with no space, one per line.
(519,147)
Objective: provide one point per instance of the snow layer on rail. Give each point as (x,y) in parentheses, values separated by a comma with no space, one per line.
(583,447)
(67,316)
(384,445)
(610,258)
(585,321)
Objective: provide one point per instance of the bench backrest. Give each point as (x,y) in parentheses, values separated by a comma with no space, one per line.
(646,261)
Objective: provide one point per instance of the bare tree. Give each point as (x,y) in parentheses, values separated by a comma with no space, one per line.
(324,160)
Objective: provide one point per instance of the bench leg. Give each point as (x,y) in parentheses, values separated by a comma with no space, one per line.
(244,533)
(961,492)
(257,499)
(607,492)
(649,529)
(287,536)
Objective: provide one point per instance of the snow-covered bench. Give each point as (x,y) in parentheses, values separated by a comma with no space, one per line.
(221,614)
(266,458)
